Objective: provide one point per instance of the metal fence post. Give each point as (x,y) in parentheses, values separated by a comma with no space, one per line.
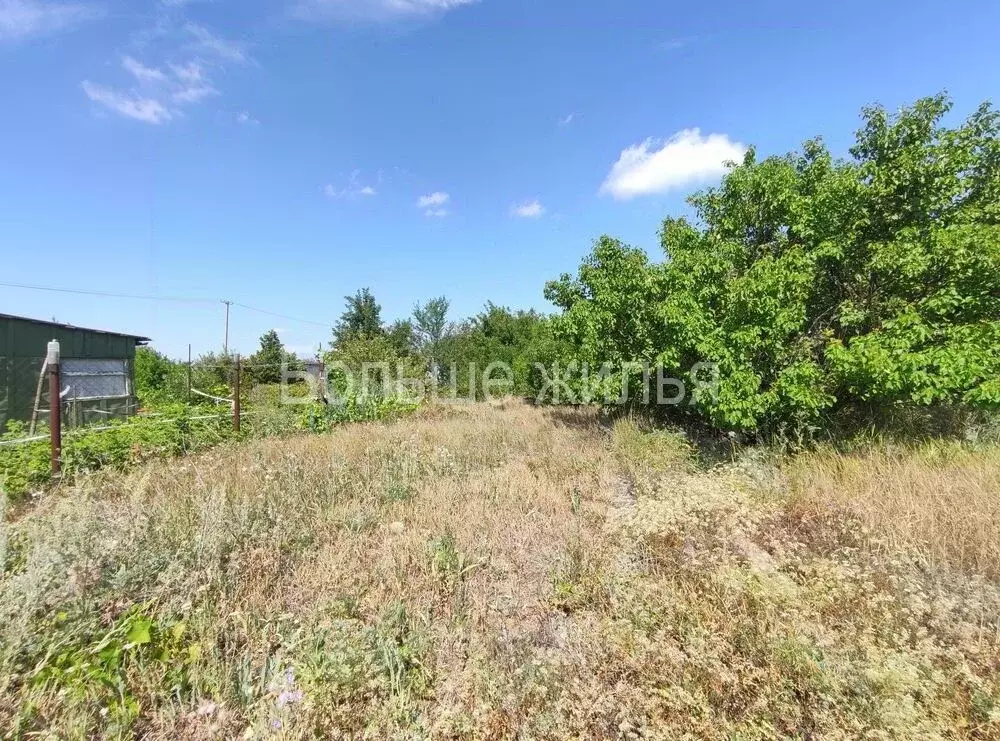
(236,397)
(189,375)
(55,407)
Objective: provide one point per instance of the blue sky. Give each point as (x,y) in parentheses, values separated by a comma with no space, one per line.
(284,153)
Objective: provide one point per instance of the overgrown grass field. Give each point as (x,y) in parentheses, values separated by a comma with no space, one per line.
(505,571)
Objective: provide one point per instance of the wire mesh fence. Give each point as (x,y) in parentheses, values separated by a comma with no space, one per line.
(101,420)
(201,404)
(99,395)
(90,391)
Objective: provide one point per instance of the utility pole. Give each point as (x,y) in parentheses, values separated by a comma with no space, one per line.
(189,375)
(225,342)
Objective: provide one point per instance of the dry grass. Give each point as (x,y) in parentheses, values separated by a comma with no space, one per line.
(444,530)
(490,572)
(941,501)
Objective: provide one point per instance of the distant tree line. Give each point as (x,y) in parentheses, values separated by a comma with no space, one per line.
(158,379)
(450,355)
(427,346)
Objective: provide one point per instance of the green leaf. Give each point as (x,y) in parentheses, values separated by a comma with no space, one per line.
(139,632)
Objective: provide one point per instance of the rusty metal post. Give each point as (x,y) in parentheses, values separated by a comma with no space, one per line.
(236,397)
(55,407)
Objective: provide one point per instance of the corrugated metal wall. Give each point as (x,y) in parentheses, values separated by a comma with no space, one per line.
(22,351)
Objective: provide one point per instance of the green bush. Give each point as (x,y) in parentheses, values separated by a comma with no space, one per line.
(520,340)
(158,380)
(26,467)
(361,360)
(177,429)
(319,417)
(818,286)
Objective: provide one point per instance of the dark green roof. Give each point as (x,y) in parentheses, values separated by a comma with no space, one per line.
(139,340)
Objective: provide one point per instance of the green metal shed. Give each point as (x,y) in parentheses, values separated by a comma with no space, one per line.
(97,371)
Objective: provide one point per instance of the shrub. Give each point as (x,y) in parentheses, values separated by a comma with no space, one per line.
(158,379)
(517,339)
(26,467)
(818,285)
(324,417)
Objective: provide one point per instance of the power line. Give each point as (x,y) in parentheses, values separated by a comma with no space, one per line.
(283,316)
(108,294)
(175,299)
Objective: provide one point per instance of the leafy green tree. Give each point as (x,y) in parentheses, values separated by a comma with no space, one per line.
(519,340)
(402,337)
(819,286)
(361,318)
(157,378)
(152,369)
(264,366)
(213,373)
(430,323)
(368,359)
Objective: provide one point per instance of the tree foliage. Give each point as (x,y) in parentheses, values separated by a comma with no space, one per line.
(361,318)
(264,366)
(364,349)
(519,340)
(152,371)
(818,285)
(430,320)
(430,323)
(402,337)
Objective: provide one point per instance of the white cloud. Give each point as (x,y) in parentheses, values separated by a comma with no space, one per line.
(141,72)
(432,200)
(161,93)
(567,120)
(686,158)
(21,19)
(304,352)
(373,10)
(433,204)
(190,72)
(209,43)
(528,210)
(172,66)
(148,110)
(353,189)
(193,93)
(244,117)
